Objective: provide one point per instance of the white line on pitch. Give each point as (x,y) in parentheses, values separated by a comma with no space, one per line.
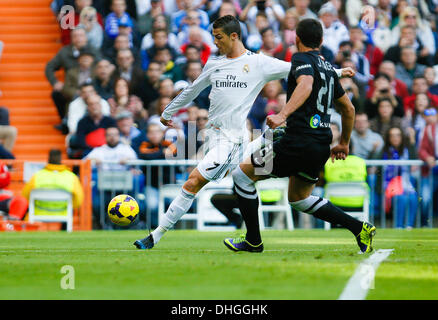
(363,279)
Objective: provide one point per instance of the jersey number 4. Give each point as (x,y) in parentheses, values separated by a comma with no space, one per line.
(325,108)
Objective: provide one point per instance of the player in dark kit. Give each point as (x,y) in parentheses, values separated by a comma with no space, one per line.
(301,153)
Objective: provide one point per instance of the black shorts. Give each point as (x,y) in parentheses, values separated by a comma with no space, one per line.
(299,156)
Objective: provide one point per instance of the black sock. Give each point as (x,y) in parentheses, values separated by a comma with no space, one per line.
(226,203)
(334,215)
(249,208)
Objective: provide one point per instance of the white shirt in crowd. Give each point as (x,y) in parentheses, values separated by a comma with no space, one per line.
(120,152)
(142,6)
(172,40)
(273,21)
(334,35)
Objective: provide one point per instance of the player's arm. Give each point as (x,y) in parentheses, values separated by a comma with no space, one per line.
(299,96)
(346,108)
(273,68)
(185,97)
(345,72)
(276,69)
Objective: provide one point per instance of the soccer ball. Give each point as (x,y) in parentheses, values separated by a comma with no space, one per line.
(123,209)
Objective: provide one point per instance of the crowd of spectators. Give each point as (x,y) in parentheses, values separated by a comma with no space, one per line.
(125,60)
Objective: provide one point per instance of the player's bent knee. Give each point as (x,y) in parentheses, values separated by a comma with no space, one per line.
(309,204)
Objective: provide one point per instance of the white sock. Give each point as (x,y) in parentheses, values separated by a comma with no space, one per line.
(179,206)
(157,234)
(309,205)
(243,185)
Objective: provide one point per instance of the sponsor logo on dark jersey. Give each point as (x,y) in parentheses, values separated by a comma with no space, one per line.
(303,67)
(315,121)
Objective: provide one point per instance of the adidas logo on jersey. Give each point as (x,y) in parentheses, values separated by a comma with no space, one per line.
(303,67)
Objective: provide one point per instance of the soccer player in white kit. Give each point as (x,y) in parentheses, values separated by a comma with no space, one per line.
(236,77)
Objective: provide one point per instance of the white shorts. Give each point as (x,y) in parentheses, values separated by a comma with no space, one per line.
(222,157)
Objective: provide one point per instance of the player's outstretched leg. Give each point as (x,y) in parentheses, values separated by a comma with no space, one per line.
(323,209)
(248,206)
(179,206)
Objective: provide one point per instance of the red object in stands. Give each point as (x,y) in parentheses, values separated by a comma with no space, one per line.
(5,176)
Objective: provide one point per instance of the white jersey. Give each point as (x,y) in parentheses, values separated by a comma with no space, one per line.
(236,84)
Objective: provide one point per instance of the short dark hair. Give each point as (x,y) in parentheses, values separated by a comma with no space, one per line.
(86,83)
(103,59)
(346,43)
(192,46)
(385,99)
(382,75)
(419,76)
(264,30)
(310,32)
(86,52)
(155,62)
(112,127)
(159,50)
(228,24)
(55,156)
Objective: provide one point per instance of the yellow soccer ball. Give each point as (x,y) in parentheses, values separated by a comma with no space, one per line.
(123,209)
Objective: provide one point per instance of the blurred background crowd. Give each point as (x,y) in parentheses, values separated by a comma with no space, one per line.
(125,60)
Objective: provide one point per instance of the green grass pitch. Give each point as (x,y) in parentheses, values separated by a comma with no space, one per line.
(302,264)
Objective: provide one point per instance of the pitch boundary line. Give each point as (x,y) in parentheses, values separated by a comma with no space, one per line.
(363,279)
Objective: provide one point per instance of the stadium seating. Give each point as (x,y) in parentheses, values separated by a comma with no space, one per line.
(51,195)
(31,38)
